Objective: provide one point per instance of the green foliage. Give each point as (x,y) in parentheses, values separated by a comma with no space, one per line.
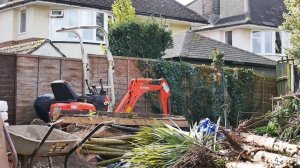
(292,24)
(123,11)
(284,122)
(139,39)
(129,36)
(196,91)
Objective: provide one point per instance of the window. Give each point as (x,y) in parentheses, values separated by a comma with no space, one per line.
(72,21)
(278,44)
(77,17)
(87,20)
(228,37)
(269,42)
(23,21)
(100,22)
(256,42)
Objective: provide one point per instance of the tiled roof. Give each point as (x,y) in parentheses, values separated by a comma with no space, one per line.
(26,46)
(259,12)
(194,46)
(170,9)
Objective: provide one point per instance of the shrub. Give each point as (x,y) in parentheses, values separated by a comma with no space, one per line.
(139,39)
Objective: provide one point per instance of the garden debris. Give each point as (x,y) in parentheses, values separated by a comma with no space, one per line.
(200,156)
(111,150)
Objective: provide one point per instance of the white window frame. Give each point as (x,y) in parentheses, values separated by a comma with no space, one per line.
(261,41)
(65,38)
(263,38)
(20,21)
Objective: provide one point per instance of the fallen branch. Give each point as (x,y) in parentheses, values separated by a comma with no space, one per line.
(244,165)
(270,143)
(106,141)
(271,159)
(101,148)
(102,153)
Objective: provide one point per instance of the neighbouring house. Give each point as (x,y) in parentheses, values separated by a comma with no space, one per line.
(251,25)
(23,19)
(33,46)
(194,48)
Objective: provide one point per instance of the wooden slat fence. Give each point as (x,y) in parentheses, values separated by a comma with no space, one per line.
(24,77)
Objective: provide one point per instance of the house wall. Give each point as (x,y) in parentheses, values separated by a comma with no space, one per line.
(216,35)
(47,49)
(178,28)
(241,38)
(73,50)
(8,25)
(37,25)
(37,22)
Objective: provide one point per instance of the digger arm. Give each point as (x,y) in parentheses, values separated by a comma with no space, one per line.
(139,87)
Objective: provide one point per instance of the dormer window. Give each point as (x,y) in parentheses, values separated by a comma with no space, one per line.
(269,42)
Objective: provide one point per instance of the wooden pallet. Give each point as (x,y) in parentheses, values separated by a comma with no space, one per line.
(128,121)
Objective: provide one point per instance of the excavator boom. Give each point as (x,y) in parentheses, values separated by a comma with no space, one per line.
(139,87)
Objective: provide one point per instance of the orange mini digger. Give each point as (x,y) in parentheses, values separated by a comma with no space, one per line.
(139,87)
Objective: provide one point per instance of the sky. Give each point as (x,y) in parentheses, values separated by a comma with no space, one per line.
(184,1)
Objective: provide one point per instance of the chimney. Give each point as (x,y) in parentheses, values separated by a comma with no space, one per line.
(211,10)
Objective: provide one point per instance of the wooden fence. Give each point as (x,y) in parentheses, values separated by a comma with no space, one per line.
(25,77)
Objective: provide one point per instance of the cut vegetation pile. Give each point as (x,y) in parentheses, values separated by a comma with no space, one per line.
(110,150)
(266,141)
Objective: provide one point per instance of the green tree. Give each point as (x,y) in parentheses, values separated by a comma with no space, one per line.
(123,11)
(292,24)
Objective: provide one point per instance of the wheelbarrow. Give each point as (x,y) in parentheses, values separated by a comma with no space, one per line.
(37,140)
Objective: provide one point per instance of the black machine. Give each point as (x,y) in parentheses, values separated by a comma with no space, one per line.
(66,98)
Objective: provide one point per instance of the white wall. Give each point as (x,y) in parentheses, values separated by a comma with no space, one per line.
(72,50)
(37,22)
(7,25)
(216,35)
(241,38)
(48,50)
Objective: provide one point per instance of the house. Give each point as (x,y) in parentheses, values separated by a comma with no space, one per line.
(23,19)
(194,48)
(33,46)
(251,25)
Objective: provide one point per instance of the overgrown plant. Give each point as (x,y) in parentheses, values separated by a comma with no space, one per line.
(284,122)
(192,89)
(123,11)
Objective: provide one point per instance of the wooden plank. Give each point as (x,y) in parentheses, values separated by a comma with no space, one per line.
(49,71)
(27,78)
(8,84)
(71,71)
(181,122)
